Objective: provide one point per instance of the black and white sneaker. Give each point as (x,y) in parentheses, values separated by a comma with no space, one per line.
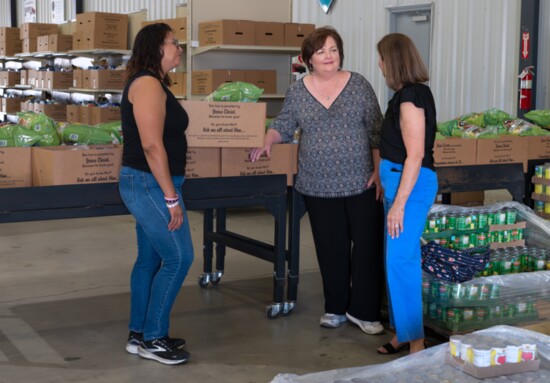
(135,338)
(163,351)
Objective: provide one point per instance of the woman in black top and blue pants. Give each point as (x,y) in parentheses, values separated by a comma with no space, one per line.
(154,155)
(409,182)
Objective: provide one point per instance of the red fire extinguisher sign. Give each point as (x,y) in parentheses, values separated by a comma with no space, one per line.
(525,42)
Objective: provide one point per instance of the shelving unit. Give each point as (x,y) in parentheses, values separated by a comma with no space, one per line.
(240,56)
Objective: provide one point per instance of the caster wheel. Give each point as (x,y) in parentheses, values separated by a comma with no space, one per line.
(216,281)
(203,282)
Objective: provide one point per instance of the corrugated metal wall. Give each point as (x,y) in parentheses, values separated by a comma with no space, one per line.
(474,55)
(5,13)
(543,70)
(157,9)
(474,47)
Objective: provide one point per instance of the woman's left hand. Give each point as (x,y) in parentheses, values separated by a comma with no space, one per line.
(176,218)
(395,221)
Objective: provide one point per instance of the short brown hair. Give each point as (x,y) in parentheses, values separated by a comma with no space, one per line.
(316,40)
(403,64)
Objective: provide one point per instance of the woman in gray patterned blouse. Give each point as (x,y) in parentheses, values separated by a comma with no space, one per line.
(339,119)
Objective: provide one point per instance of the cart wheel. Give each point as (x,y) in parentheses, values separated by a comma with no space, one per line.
(203,282)
(216,281)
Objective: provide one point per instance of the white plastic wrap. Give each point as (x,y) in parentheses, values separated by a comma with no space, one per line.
(518,296)
(428,366)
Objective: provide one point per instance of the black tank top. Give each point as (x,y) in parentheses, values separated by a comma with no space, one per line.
(175,124)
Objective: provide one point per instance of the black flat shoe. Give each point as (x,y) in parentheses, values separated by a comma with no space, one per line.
(392,350)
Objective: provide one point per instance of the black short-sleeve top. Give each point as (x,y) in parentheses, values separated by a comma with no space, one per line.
(392,147)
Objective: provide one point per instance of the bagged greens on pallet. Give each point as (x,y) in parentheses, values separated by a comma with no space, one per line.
(236,92)
(495,116)
(41,124)
(86,134)
(114,128)
(518,127)
(16,136)
(539,117)
(476,119)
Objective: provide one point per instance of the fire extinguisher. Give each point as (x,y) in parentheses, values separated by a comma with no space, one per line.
(525,87)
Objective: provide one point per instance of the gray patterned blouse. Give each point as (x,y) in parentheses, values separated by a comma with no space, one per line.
(335,157)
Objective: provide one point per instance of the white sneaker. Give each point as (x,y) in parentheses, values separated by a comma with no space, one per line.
(372,328)
(329,320)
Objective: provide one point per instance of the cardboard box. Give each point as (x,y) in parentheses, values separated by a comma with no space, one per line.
(105,79)
(58,112)
(474,198)
(203,162)
(270,34)
(42,43)
(10,47)
(455,152)
(60,43)
(64,165)
(33,77)
(73,113)
(107,114)
(227,32)
(7,34)
(9,78)
(23,75)
(15,167)
(179,83)
(100,30)
(85,114)
(11,105)
(225,124)
(265,79)
(207,81)
(504,150)
(29,45)
(78,78)
(296,33)
(236,162)
(178,25)
(538,148)
(55,80)
(492,371)
(33,30)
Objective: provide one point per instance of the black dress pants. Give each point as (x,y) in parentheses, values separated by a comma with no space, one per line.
(348,235)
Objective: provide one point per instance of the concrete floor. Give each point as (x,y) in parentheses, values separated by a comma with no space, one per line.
(64,306)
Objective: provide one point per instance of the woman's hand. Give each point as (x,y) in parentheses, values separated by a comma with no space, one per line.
(176,217)
(256,153)
(375,178)
(395,220)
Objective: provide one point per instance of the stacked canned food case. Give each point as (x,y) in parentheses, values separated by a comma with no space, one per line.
(515,285)
(541,190)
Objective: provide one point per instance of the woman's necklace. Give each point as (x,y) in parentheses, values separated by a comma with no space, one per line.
(322,94)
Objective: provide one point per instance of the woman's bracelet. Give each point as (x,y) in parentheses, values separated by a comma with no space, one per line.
(171,205)
(171,200)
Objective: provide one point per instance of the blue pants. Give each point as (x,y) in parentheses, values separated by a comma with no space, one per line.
(164,257)
(403,260)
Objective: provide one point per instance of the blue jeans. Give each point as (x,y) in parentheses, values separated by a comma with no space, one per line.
(164,257)
(403,259)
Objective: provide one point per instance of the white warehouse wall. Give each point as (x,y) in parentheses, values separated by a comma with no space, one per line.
(475,44)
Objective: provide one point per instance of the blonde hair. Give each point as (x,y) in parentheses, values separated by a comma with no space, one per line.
(403,64)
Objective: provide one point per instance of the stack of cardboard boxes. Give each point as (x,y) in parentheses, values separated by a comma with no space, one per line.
(245,32)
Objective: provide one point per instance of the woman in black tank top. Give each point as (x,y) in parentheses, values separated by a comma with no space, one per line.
(152,174)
